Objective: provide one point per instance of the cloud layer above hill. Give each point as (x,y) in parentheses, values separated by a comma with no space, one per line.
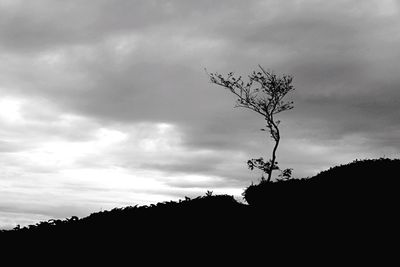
(107,103)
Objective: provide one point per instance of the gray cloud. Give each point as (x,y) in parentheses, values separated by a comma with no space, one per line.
(127,66)
(7,147)
(41,25)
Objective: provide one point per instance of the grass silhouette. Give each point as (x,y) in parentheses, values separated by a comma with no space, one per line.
(353,202)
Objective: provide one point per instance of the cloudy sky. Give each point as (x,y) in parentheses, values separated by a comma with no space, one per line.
(106,103)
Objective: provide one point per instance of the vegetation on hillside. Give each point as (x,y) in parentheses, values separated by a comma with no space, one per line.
(359,186)
(353,205)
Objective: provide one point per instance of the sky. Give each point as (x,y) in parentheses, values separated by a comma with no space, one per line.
(107,103)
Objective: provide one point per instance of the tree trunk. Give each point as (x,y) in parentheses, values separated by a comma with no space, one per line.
(273,160)
(277,139)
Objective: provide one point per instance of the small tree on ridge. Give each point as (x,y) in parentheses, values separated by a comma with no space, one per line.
(263,93)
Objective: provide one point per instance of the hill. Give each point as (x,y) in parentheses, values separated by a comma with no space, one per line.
(356,202)
(364,183)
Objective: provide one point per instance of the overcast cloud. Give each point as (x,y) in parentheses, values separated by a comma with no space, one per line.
(106,103)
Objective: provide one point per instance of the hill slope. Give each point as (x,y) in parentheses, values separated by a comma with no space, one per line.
(364,183)
(341,203)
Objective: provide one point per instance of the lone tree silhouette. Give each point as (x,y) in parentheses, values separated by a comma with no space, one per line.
(263,93)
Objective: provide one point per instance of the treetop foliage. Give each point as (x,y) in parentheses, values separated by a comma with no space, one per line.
(263,92)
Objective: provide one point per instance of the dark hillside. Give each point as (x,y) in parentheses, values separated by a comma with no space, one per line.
(363,183)
(356,202)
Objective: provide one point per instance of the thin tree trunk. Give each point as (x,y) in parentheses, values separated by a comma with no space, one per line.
(277,139)
(273,160)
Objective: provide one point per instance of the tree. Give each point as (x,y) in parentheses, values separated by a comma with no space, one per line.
(263,93)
